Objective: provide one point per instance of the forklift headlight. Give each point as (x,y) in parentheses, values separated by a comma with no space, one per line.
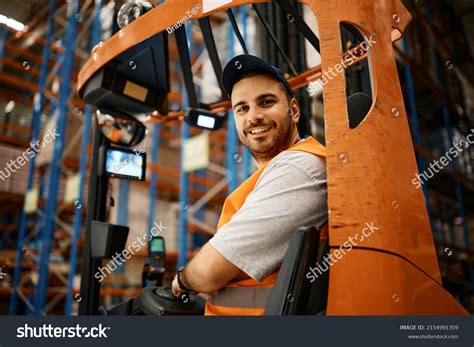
(204,119)
(131,11)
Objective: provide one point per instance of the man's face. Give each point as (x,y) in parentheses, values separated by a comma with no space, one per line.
(262,116)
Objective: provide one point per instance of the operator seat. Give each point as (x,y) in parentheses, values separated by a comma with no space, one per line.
(293,293)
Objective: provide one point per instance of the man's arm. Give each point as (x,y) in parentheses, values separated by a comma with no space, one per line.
(290,193)
(207,272)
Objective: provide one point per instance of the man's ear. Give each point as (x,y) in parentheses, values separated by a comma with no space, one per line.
(294,110)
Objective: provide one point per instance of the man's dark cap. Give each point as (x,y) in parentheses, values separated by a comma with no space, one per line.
(241,64)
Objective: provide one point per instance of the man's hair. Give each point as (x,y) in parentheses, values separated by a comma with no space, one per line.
(253,73)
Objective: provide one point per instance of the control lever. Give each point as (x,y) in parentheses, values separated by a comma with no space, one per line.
(157,301)
(155,270)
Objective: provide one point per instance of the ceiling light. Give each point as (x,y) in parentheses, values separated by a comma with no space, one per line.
(14,24)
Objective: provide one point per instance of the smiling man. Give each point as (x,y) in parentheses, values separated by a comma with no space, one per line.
(239,265)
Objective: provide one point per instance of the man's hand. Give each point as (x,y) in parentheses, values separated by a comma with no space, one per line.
(207,272)
(175,288)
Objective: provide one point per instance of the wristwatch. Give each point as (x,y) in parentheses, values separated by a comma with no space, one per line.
(180,283)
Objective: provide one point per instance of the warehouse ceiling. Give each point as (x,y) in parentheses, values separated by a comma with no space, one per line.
(26,12)
(23,11)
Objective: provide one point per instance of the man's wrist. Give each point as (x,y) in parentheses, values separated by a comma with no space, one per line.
(182,285)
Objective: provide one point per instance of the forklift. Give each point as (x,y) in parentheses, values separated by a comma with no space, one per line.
(370,158)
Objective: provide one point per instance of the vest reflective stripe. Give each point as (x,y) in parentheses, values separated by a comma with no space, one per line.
(244,297)
(241,297)
(214,310)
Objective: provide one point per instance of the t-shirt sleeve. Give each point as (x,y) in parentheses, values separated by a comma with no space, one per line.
(285,198)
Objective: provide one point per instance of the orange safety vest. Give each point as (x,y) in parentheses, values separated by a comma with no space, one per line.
(247,297)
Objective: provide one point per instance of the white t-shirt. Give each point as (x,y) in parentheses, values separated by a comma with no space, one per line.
(291,192)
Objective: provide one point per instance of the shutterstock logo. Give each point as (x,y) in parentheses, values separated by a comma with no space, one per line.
(48,331)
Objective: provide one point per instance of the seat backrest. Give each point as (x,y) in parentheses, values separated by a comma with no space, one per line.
(318,296)
(291,292)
